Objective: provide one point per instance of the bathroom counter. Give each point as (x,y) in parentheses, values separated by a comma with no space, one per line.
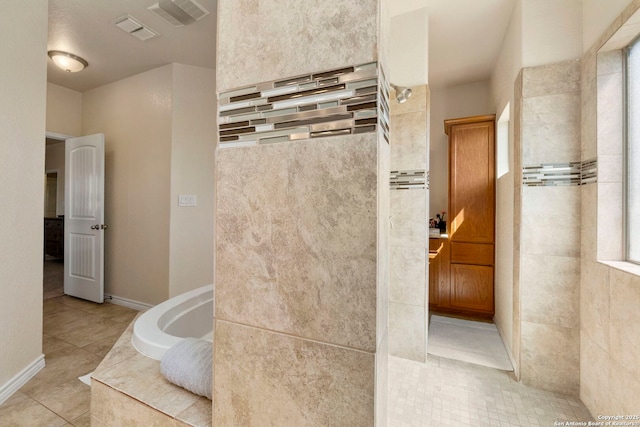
(127,388)
(440,236)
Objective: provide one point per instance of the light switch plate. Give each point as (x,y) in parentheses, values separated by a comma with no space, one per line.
(187,200)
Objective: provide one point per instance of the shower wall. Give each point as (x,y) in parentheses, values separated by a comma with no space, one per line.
(408,282)
(547,226)
(302,232)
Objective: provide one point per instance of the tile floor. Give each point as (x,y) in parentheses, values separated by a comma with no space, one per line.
(449,393)
(442,392)
(77,334)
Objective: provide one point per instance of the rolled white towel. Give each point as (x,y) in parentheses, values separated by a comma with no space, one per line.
(189,364)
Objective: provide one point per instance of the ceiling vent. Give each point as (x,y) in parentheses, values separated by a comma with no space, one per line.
(179,12)
(135,28)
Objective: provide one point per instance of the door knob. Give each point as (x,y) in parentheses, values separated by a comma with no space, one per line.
(104,226)
(95,227)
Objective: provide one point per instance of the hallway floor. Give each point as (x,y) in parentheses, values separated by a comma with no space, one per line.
(442,392)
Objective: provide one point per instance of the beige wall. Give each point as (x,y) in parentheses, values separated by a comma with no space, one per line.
(22,119)
(64,110)
(504,74)
(409,63)
(193,142)
(159,128)
(597,17)
(54,160)
(508,63)
(544,24)
(135,116)
(503,277)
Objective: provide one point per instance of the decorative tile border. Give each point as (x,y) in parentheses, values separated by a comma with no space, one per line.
(344,101)
(589,171)
(550,174)
(383,105)
(409,180)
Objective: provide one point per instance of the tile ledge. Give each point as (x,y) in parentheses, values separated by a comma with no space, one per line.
(130,388)
(627,267)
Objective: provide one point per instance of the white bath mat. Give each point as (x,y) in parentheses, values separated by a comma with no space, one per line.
(86,378)
(468,341)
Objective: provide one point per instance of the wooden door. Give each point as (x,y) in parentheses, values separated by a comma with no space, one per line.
(472,212)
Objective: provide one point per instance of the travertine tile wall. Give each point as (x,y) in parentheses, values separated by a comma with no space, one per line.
(548,256)
(517,221)
(408,284)
(302,236)
(261,41)
(127,388)
(609,296)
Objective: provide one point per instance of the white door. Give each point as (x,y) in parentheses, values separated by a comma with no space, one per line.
(84,218)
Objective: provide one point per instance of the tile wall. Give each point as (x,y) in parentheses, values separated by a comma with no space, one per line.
(548,224)
(408,284)
(127,388)
(609,290)
(302,236)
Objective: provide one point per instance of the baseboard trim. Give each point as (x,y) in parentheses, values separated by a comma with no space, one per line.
(21,378)
(129,303)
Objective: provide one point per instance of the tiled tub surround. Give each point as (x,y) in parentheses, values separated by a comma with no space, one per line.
(344,101)
(127,388)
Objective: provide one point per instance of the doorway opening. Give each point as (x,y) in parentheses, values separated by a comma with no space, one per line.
(53,250)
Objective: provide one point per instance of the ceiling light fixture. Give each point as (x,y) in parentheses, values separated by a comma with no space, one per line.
(67,61)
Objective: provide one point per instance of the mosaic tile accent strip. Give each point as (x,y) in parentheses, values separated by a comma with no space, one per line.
(550,174)
(344,101)
(589,171)
(383,105)
(409,180)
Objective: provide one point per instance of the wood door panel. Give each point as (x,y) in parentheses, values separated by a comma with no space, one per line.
(439,284)
(472,253)
(472,287)
(469,287)
(471,186)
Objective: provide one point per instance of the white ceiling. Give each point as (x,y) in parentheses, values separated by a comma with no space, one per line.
(464,39)
(85,28)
